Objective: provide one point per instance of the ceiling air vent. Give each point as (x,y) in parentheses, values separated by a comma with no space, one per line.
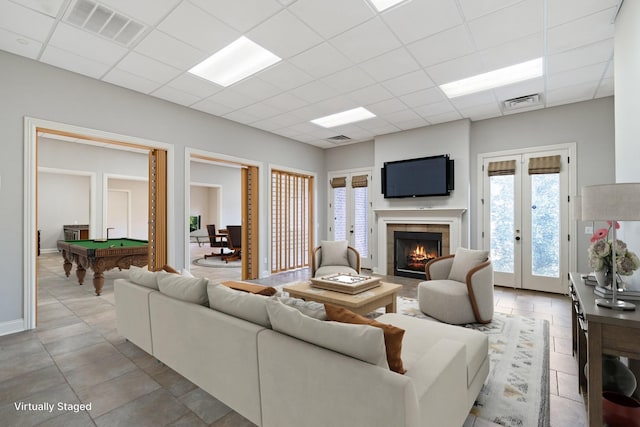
(526,101)
(339,138)
(101,20)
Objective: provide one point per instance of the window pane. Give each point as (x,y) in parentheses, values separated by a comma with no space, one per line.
(340,213)
(361,220)
(502,219)
(545,225)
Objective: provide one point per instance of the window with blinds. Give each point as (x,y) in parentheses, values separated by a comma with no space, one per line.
(291,220)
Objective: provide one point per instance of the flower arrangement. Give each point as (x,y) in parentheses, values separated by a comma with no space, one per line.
(600,253)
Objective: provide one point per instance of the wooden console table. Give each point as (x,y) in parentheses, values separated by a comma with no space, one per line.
(598,330)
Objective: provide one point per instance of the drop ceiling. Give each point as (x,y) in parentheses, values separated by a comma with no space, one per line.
(336,55)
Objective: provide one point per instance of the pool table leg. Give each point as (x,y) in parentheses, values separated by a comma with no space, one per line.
(81,272)
(67,267)
(98,281)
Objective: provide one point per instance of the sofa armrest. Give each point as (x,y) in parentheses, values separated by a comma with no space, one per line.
(132,313)
(440,378)
(439,268)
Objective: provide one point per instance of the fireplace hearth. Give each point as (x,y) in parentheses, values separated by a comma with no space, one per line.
(413,250)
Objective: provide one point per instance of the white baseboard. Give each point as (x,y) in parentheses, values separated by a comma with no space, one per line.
(11,327)
(49,251)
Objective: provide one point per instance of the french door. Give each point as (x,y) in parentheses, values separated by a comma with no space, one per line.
(350,211)
(525,203)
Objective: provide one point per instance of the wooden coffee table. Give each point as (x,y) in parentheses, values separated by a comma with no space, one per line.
(362,303)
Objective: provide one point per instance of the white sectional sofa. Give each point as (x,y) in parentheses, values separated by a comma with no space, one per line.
(277,380)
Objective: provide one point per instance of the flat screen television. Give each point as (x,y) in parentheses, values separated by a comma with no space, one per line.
(425,176)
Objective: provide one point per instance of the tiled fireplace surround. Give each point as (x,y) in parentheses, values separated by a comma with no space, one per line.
(445,221)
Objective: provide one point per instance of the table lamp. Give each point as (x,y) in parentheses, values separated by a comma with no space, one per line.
(612,202)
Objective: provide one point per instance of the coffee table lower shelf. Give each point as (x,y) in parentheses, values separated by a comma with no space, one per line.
(382,296)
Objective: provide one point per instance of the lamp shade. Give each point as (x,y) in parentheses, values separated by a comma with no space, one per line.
(620,202)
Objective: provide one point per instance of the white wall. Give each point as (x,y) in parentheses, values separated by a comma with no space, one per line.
(138,208)
(352,156)
(62,199)
(41,91)
(228,180)
(627,107)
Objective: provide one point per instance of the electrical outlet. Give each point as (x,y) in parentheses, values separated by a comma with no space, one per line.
(588,229)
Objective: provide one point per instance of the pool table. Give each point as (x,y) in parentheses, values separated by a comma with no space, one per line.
(102,255)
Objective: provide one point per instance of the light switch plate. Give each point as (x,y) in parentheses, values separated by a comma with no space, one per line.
(588,229)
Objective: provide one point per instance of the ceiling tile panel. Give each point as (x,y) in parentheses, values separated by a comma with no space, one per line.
(241,116)
(434,109)
(481,112)
(285,35)
(348,80)
(580,32)
(170,50)
(174,95)
(457,69)
(212,107)
(150,12)
(423,97)
(130,81)
(365,41)
(195,85)
(240,14)
(589,73)
(480,98)
(415,20)
(513,52)
(193,26)
(443,118)
(70,61)
(443,46)
(85,44)
(370,94)
(412,124)
(285,76)
(261,110)
(473,8)
(25,22)
(232,99)
(563,11)
(529,87)
(321,60)
(389,106)
(148,68)
(331,17)
(20,45)
(285,102)
(514,22)
(581,56)
(575,93)
(48,7)
(255,88)
(408,83)
(391,64)
(314,92)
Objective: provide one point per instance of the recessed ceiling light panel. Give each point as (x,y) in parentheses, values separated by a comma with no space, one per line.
(501,77)
(236,61)
(385,4)
(343,118)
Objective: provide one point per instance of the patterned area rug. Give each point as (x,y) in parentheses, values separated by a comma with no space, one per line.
(516,393)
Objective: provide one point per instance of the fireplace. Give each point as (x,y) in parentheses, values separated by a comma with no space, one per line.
(413,250)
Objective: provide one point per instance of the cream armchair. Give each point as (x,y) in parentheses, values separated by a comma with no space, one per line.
(459,288)
(333,257)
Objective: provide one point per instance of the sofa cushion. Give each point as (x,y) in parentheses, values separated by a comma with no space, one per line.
(334,253)
(239,304)
(392,335)
(309,308)
(361,342)
(420,335)
(143,277)
(189,289)
(465,260)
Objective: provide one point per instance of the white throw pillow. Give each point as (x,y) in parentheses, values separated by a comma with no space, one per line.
(309,308)
(239,304)
(189,289)
(334,252)
(465,260)
(361,342)
(143,277)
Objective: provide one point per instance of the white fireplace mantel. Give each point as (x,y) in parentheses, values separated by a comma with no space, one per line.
(385,217)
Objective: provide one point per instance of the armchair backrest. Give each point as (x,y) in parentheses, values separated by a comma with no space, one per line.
(234,236)
(211,231)
(353,256)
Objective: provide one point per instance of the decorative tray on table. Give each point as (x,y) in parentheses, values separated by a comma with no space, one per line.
(345,283)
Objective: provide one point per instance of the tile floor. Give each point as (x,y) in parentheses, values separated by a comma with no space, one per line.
(75,356)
